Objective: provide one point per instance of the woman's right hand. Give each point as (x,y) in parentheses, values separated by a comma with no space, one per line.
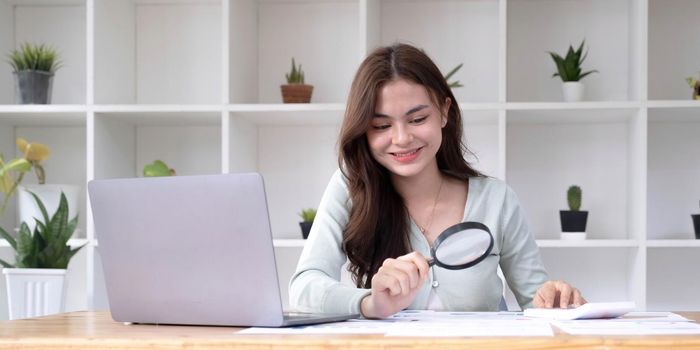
(395,285)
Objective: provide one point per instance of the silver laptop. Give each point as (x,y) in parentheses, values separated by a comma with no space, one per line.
(191,250)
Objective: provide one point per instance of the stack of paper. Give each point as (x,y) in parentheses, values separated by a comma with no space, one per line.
(585,311)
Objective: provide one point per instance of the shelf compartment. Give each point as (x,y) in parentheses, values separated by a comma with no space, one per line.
(296,161)
(610,28)
(601,151)
(481,135)
(66,164)
(158,52)
(672,172)
(672,282)
(587,270)
(264,36)
(189,142)
(460,26)
(671,61)
(58,24)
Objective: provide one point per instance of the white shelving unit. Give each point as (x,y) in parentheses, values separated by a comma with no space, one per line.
(195,83)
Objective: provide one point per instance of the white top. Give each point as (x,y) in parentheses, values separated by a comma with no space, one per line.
(316,286)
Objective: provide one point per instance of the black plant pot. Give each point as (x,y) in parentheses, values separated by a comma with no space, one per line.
(573,221)
(696,225)
(305,228)
(33,86)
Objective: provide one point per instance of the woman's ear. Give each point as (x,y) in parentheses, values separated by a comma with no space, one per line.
(445,110)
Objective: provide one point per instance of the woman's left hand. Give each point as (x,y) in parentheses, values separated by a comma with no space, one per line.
(557,294)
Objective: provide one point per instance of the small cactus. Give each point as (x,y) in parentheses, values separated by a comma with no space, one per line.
(573,196)
(296,75)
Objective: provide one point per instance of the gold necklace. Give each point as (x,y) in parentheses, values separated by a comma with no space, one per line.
(424,229)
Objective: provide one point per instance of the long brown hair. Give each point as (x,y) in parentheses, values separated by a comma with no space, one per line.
(377,228)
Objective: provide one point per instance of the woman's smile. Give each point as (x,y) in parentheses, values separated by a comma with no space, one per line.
(406,156)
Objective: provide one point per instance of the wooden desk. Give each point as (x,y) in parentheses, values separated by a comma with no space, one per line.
(96,330)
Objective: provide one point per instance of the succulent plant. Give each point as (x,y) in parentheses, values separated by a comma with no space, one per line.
(296,75)
(573,197)
(308,215)
(34,57)
(569,68)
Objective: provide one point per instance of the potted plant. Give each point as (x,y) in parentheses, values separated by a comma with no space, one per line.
(695,85)
(33,68)
(696,225)
(573,221)
(41,258)
(35,154)
(296,91)
(456,83)
(569,70)
(157,168)
(307,217)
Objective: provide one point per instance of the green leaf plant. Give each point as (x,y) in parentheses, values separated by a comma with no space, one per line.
(308,215)
(569,68)
(456,83)
(47,247)
(158,168)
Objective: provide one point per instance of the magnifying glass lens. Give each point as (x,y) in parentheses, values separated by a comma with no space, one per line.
(463,247)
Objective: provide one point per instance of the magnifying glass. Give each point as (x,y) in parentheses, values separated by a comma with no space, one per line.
(461,246)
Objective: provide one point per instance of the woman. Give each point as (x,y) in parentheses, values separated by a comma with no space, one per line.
(402,181)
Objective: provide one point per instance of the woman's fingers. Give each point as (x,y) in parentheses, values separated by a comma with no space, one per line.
(557,294)
(420,262)
(546,295)
(403,274)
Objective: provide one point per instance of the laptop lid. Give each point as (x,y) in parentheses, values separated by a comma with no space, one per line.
(187,250)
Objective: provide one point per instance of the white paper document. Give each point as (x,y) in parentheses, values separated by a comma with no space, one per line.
(585,311)
(614,327)
(428,324)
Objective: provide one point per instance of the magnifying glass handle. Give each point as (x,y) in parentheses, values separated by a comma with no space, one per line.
(431,261)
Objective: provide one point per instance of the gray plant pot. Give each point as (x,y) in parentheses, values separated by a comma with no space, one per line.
(33,87)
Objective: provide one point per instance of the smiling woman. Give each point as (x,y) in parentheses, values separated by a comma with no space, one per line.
(403,179)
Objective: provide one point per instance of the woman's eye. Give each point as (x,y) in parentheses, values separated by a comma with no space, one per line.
(419,120)
(380,127)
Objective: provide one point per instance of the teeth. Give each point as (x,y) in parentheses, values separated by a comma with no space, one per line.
(405,154)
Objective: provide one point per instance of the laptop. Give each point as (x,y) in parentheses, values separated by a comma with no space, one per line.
(194,250)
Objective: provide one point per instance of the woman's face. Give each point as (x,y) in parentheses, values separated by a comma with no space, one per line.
(406,130)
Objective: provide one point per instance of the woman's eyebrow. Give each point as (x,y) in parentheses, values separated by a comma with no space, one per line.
(410,111)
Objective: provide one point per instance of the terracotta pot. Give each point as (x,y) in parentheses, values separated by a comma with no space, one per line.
(296,93)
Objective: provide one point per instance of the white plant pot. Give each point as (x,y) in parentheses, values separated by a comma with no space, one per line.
(573,91)
(50,195)
(573,236)
(34,292)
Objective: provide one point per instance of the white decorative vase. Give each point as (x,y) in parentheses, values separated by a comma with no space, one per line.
(34,292)
(573,91)
(50,195)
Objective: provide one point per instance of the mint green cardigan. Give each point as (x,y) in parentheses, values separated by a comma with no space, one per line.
(316,285)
